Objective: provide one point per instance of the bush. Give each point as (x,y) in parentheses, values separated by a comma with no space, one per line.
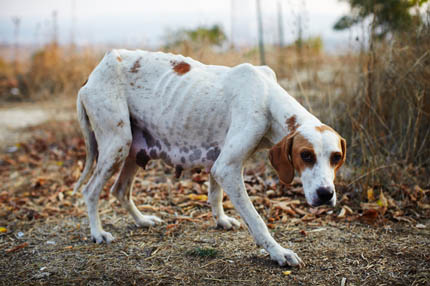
(388,112)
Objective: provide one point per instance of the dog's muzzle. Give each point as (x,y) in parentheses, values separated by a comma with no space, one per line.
(324,196)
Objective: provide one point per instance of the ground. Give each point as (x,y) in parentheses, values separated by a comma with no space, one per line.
(59,253)
(44,232)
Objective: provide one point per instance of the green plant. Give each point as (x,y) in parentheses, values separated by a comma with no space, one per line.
(203,252)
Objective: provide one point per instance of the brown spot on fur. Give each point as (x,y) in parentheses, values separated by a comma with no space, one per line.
(324,127)
(292,124)
(341,143)
(115,165)
(120,123)
(136,66)
(285,156)
(343,158)
(301,144)
(118,58)
(280,158)
(181,68)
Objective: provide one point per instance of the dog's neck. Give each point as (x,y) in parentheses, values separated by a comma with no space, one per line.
(286,114)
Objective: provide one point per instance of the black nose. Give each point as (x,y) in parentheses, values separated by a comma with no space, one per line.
(324,194)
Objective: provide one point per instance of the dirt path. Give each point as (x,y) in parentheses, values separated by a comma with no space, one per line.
(14,119)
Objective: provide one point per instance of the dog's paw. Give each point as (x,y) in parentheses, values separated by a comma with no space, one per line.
(148,220)
(285,257)
(102,236)
(227,222)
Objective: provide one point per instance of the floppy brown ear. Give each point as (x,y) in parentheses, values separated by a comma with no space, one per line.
(343,146)
(280,159)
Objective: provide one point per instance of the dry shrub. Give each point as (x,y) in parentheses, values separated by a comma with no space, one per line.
(51,71)
(388,111)
(208,54)
(54,70)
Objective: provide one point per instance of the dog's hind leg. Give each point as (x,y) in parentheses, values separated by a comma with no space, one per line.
(215,200)
(111,124)
(122,191)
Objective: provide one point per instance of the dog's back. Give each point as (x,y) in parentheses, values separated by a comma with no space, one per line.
(180,109)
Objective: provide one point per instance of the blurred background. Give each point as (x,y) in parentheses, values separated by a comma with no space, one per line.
(362,66)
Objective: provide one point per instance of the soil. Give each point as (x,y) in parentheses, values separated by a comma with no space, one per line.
(52,246)
(59,252)
(16,117)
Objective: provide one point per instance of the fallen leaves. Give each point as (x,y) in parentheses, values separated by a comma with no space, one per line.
(38,177)
(345,211)
(194,197)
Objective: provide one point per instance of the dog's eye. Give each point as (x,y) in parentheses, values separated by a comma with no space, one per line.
(335,158)
(307,156)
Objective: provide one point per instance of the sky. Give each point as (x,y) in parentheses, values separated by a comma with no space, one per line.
(128,23)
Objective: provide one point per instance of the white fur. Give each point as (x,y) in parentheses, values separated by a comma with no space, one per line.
(210,116)
(322,173)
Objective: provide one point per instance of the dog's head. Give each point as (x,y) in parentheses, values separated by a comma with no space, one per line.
(316,153)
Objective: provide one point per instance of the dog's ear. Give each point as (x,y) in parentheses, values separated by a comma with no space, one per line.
(343,146)
(280,158)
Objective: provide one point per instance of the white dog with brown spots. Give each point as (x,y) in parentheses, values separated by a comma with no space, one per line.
(138,106)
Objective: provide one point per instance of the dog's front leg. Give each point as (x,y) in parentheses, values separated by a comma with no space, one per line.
(228,172)
(231,179)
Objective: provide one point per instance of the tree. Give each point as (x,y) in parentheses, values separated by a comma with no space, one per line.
(213,36)
(389,15)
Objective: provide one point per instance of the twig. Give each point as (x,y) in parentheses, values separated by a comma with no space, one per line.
(422,58)
(302,91)
(18,247)
(343,282)
(220,280)
(370,172)
(207,264)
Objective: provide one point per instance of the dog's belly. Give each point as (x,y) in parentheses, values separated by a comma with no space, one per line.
(182,119)
(175,151)
(186,130)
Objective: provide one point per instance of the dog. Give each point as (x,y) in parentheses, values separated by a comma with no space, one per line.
(137,106)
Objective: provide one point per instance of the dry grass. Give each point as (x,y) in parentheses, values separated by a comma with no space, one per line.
(50,72)
(387,116)
(59,253)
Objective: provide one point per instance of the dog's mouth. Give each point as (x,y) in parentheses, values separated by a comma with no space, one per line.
(318,203)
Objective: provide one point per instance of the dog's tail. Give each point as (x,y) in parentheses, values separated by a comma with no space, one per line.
(90,144)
